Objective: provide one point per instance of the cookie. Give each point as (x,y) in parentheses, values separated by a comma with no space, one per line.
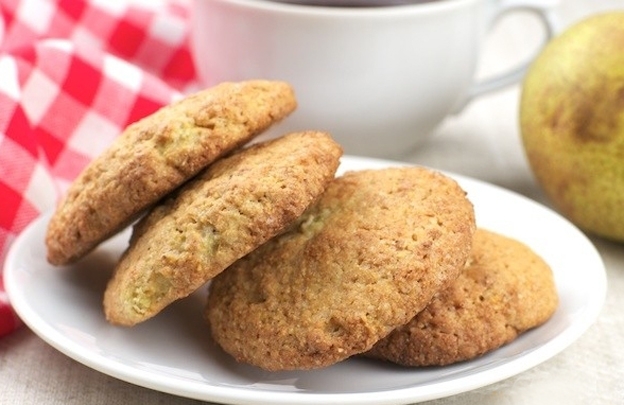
(157,154)
(235,205)
(360,262)
(505,290)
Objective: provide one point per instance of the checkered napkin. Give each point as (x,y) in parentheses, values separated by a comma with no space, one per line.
(73,74)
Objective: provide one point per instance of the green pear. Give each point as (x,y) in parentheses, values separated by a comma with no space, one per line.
(572,123)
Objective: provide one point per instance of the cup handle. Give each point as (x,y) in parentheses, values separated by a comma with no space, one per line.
(544,12)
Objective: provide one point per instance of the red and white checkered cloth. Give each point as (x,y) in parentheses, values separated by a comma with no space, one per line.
(73,74)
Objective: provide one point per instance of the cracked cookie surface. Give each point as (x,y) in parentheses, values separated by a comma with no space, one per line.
(363,260)
(504,290)
(229,209)
(155,155)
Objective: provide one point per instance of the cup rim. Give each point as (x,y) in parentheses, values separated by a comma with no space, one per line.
(328,11)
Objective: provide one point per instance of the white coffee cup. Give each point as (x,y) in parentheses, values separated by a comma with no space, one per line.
(379,79)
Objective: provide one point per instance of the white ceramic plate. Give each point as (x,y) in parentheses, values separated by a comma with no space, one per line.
(173,352)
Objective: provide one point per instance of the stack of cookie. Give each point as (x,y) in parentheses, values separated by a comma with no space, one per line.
(304,269)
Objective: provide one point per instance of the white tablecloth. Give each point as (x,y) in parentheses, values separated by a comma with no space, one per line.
(482,142)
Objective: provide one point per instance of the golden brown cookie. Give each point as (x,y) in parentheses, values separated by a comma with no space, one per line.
(157,154)
(504,290)
(236,204)
(360,262)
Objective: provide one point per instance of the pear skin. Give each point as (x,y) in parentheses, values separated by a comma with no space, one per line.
(572,123)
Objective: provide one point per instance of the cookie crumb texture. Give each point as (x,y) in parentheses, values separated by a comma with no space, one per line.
(155,155)
(229,209)
(357,264)
(505,290)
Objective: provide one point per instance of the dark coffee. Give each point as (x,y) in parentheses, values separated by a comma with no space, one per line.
(355,3)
